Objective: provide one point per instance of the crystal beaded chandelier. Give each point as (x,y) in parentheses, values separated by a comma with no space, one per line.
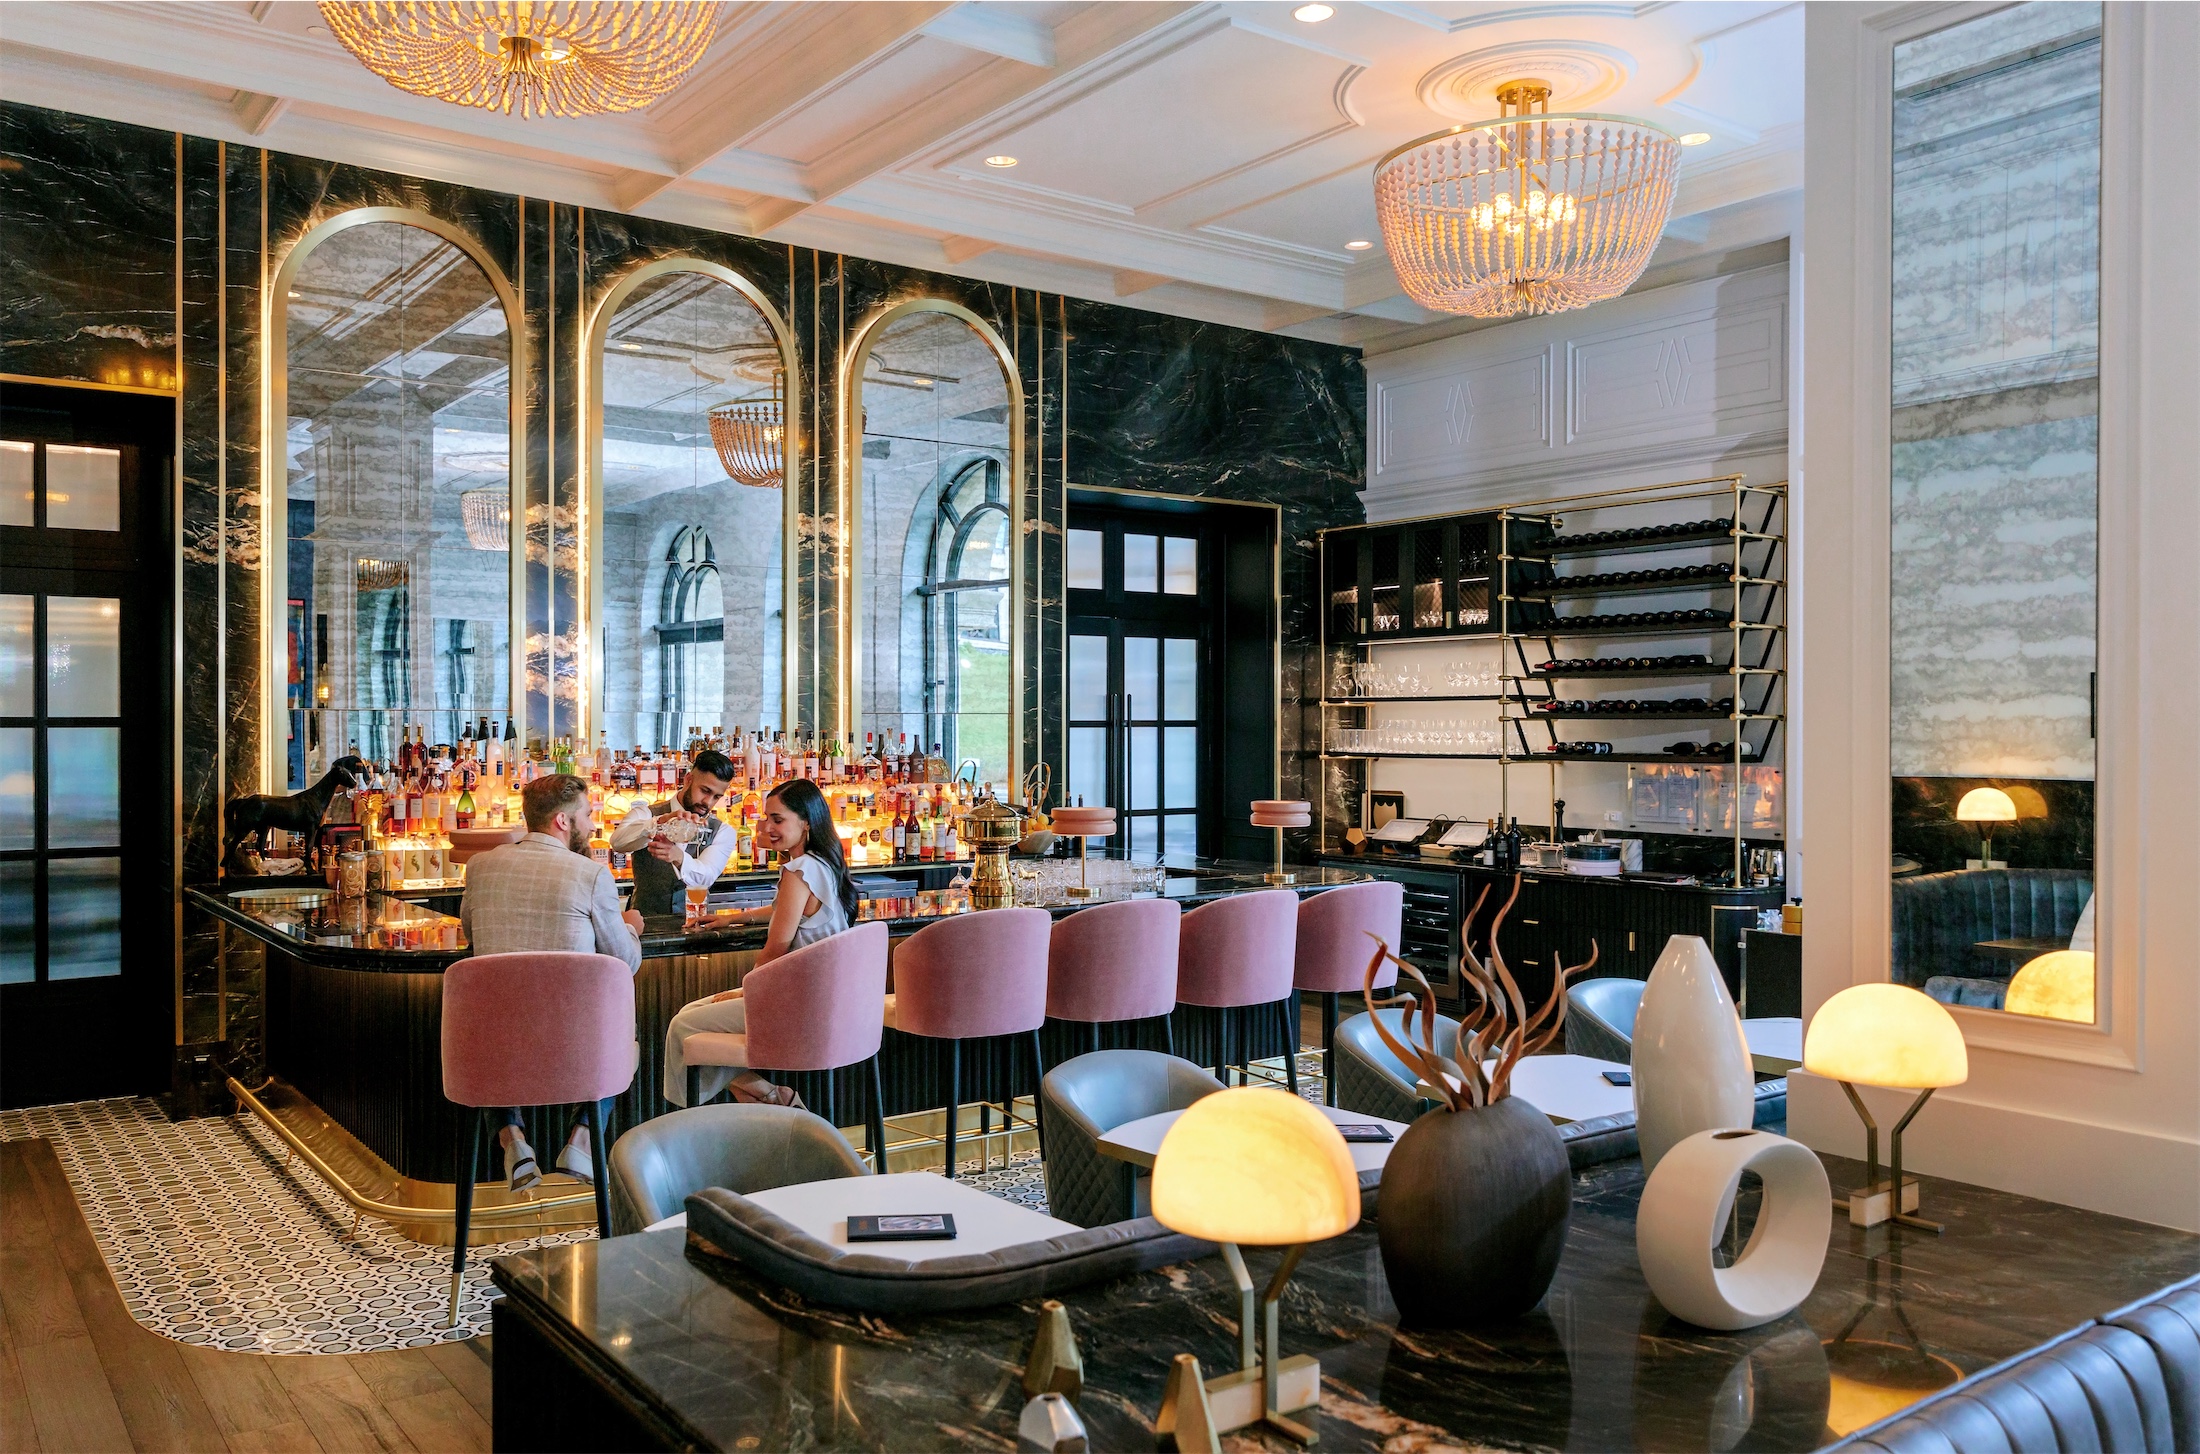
(488,518)
(752,440)
(543,57)
(1529,213)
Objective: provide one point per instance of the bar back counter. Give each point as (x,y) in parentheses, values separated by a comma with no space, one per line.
(353,1007)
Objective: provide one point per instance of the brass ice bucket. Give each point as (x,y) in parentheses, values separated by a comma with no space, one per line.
(991,828)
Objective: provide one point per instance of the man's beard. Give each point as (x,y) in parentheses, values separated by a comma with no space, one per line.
(702,809)
(576,839)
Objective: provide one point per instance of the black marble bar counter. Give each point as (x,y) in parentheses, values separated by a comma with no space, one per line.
(641,1342)
(353,1007)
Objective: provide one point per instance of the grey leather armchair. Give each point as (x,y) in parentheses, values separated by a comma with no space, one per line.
(1600,1017)
(1375,1082)
(2130,1381)
(1090,1096)
(656,1166)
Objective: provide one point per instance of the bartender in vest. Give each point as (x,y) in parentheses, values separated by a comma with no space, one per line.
(665,869)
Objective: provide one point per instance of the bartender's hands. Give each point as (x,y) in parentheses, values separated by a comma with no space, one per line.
(664,850)
(633,920)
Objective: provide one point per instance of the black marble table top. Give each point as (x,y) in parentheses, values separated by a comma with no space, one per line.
(1600,1366)
(389,932)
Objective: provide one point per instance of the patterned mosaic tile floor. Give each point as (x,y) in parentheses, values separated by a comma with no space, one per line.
(212,1241)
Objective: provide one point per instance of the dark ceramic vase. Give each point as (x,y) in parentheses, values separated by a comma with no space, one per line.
(1472,1213)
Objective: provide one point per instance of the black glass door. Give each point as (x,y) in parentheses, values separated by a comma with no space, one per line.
(1140,648)
(86,924)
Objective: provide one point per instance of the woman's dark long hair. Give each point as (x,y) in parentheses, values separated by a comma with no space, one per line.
(802,797)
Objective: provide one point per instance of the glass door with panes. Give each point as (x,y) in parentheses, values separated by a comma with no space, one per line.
(78,700)
(1139,649)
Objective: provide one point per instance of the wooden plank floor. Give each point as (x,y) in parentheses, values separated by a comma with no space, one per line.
(78,1373)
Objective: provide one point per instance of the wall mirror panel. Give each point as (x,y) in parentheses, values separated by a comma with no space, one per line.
(1995,509)
(391,393)
(937,571)
(689,556)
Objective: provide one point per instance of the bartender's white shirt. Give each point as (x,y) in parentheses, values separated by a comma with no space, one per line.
(697,870)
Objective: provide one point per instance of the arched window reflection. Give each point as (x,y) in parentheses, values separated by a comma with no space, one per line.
(395,566)
(691,633)
(935,656)
(690,558)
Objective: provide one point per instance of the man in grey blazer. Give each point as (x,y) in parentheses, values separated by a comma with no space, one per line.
(545,893)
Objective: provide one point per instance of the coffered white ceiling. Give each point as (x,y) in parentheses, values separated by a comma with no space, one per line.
(1205,159)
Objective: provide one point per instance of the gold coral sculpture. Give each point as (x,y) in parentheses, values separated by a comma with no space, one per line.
(540,57)
(1497,1029)
(1529,213)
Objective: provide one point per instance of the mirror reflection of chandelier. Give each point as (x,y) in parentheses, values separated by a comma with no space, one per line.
(1529,213)
(488,518)
(751,439)
(542,57)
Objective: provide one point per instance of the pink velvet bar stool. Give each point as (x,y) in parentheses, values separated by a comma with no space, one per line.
(1115,962)
(544,1029)
(972,977)
(1338,929)
(821,1007)
(1236,953)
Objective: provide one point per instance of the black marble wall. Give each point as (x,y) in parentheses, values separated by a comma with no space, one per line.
(139,258)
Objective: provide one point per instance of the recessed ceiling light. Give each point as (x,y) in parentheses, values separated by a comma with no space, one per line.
(294,293)
(1000,161)
(1358,244)
(1312,14)
(633,346)
(1695,138)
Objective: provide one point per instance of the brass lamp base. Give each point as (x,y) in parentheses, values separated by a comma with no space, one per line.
(1278,876)
(1875,1202)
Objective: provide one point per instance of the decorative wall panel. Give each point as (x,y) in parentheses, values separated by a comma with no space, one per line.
(1625,389)
(1499,410)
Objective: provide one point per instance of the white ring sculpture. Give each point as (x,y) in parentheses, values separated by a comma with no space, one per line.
(1684,1212)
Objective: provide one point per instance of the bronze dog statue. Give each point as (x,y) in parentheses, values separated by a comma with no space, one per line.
(299,813)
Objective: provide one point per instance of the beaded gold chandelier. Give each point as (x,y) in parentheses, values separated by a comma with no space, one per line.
(1529,213)
(540,57)
(751,440)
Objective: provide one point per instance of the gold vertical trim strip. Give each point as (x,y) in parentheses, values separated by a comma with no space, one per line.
(1038,539)
(274,593)
(584,564)
(550,474)
(817,495)
(221,473)
(848,638)
(516,538)
(175,606)
(1061,334)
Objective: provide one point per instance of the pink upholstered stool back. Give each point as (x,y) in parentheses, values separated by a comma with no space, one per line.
(537,1029)
(1114,962)
(974,975)
(1334,946)
(820,1007)
(1238,951)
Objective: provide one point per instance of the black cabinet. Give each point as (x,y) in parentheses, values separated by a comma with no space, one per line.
(1419,578)
(1560,918)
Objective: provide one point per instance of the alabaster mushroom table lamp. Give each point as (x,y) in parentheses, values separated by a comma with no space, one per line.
(1886,1035)
(1256,1167)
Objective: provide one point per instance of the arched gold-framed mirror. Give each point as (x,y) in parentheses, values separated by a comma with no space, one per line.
(932,570)
(690,512)
(390,587)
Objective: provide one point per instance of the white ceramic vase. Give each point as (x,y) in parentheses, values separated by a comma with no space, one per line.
(1684,1210)
(1691,1064)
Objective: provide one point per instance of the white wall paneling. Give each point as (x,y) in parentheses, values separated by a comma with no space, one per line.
(2105,1116)
(1671,383)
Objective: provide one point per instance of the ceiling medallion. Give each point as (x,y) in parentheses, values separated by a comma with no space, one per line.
(752,440)
(541,57)
(1528,213)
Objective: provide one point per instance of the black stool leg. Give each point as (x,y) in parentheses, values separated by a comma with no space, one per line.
(695,1086)
(878,1118)
(954,1099)
(1096,1037)
(594,1111)
(1038,1079)
(1168,1032)
(1222,1046)
(469,1161)
(1329,1047)
(1290,1042)
(1244,1044)
(832,1105)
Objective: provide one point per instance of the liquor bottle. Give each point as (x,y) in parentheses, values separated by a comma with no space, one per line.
(869,765)
(465,808)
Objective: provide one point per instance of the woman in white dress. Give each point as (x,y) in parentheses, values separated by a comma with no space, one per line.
(816,897)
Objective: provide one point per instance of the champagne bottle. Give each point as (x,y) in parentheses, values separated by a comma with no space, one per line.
(466,806)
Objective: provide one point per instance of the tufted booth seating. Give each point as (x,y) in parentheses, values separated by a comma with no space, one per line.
(1939,916)
(1092,1095)
(1375,1082)
(659,1164)
(2128,1382)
